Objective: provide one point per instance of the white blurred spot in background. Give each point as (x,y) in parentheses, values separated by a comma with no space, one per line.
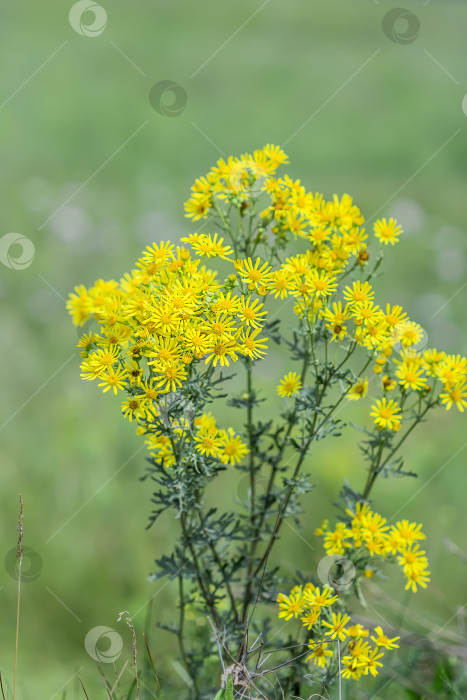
(71,224)
(450,264)
(154,227)
(409,215)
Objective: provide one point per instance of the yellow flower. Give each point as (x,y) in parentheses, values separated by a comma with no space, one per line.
(335,540)
(336,320)
(254,274)
(289,385)
(249,312)
(210,247)
(292,605)
(417,577)
(382,641)
(358,390)
(322,283)
(386,414)
(233,449)
(80,305)
(316,598)
(455,394)
(337,625)
(407,532)
(370,662)
(197,207)
(387,231)
(221,351)
(311,617)
(388,384)
(251,345)
(209,442)
(359,293)
(113,379)
(320,653)
(133,408)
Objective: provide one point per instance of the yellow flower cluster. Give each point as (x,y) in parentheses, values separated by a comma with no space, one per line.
(336,240)
(234,177)
(152,327)
(367,538)
(209,440)
(313,607)
(157,322)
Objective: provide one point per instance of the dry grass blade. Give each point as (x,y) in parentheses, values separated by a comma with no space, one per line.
(129,622)
(106,682)
(1,686)
(111,692)
(152,663)
(20,561)
(82,685)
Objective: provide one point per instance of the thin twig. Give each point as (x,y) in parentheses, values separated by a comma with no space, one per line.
(82,685)
(20,562)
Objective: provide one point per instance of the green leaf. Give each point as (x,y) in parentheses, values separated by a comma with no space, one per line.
(227,692)
(229,689)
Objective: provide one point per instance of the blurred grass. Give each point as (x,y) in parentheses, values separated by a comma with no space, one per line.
(63,444)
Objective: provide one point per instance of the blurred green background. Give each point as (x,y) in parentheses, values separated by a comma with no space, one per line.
(91,173)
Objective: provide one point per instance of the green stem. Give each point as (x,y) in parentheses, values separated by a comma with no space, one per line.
(206,594)
(180,635)
(375,471)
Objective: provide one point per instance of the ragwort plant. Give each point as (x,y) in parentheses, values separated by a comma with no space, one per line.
(168,338)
